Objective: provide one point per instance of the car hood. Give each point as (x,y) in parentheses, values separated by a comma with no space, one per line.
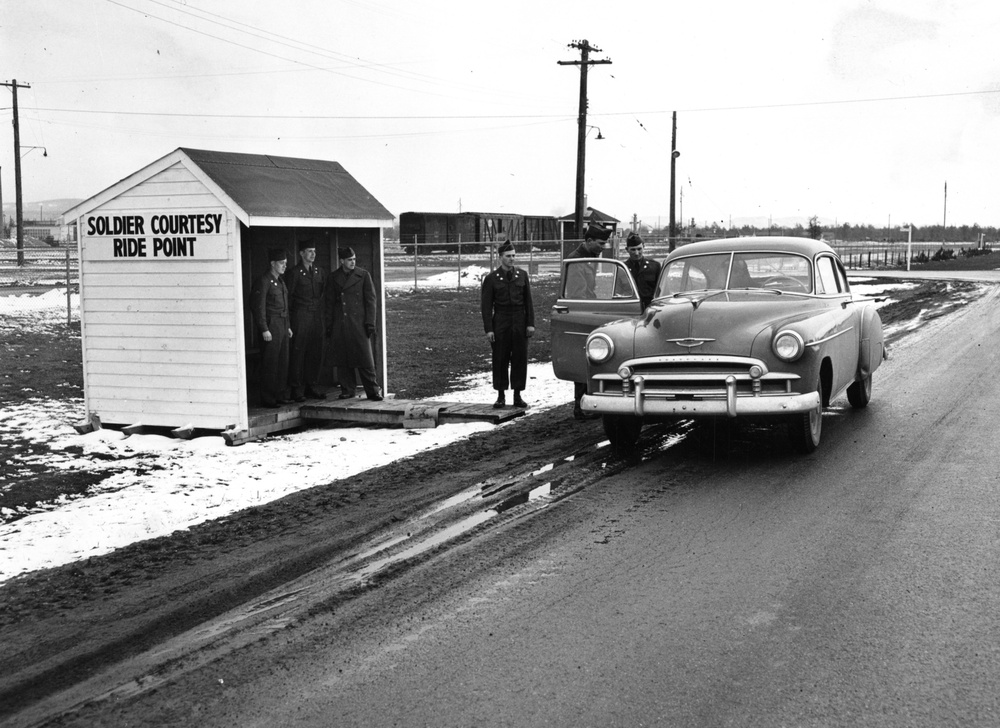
(720,322)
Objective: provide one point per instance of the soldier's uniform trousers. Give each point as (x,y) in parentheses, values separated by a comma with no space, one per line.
(307,350)
(274,361)
(510,348)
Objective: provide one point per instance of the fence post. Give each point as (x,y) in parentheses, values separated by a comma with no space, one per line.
(69,298)
(415,251)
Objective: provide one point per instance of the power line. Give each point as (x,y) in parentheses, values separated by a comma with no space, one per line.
(295,45)
(790,104)
(250,48)
(321,117)
(398,117)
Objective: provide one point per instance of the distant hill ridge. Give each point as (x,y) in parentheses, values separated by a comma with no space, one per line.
(50,209)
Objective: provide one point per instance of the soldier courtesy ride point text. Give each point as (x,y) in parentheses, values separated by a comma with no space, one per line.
(306,300)
(352,325)
(581,283)
(269,306)
(645,271)
(509,321)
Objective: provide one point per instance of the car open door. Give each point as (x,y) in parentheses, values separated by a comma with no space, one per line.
(594,291)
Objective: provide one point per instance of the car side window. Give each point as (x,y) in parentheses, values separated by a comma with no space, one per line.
(838,268)
(602,280)
(830,277)
(623,287)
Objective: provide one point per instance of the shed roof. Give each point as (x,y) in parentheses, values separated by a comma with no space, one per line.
(267,190)
(590,214)
(269,186)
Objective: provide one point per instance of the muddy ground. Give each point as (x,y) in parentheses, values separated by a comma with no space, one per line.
(61,624)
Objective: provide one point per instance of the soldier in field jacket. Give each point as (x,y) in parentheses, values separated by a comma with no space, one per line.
(645,271)
(306,300)
(269,307)
(509,321)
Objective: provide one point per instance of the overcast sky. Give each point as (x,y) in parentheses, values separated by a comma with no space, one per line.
(855,111)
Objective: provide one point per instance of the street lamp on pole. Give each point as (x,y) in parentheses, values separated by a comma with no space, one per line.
(909,244)
(672,232)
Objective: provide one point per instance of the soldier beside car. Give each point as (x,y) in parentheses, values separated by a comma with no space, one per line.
(645,271)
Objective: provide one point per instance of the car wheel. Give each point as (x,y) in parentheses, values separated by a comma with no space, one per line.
(622,431)
(859,394)
(805,429)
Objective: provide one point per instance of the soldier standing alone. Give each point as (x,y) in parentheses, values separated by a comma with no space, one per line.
(509,321)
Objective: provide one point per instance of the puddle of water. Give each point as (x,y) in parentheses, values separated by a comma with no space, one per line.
(381,546)
(436,539)
(455,500)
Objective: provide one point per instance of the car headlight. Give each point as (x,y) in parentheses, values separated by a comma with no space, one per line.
(600,348)
(788,345)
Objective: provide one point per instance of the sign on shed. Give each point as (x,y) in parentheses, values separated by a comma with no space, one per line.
(167,257)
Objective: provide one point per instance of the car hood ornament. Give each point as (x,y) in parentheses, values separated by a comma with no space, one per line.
(689,342)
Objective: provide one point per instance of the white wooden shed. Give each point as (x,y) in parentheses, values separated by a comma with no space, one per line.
(167,259)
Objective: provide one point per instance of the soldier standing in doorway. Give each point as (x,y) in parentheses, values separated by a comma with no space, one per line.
(352,325)
(509,321)
(269,306)
(306,289)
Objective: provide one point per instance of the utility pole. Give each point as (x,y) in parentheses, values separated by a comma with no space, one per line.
(672,238)
(14,86)
(581,140)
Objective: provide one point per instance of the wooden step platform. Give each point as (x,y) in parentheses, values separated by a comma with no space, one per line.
(390,412)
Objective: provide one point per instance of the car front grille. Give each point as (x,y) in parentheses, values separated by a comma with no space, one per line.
(696,378)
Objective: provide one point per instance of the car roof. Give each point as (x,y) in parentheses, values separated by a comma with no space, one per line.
(770,243)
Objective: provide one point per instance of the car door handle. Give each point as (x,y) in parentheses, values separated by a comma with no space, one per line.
(560,309)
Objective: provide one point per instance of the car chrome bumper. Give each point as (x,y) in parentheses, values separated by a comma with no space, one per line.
(641,405)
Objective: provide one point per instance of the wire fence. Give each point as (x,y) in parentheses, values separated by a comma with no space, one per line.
(415,264)
(28,275)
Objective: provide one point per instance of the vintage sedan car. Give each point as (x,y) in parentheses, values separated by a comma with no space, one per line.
(763,328)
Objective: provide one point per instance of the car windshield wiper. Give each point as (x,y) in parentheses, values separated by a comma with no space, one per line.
(755,288)
(697,290)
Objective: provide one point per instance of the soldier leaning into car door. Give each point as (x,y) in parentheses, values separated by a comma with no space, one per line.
(581,283)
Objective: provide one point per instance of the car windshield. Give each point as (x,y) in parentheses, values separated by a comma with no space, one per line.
(736,271)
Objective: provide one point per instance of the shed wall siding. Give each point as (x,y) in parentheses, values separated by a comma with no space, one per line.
(162,338)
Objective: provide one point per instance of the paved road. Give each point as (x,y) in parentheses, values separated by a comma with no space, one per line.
(981,276)
(857,586)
